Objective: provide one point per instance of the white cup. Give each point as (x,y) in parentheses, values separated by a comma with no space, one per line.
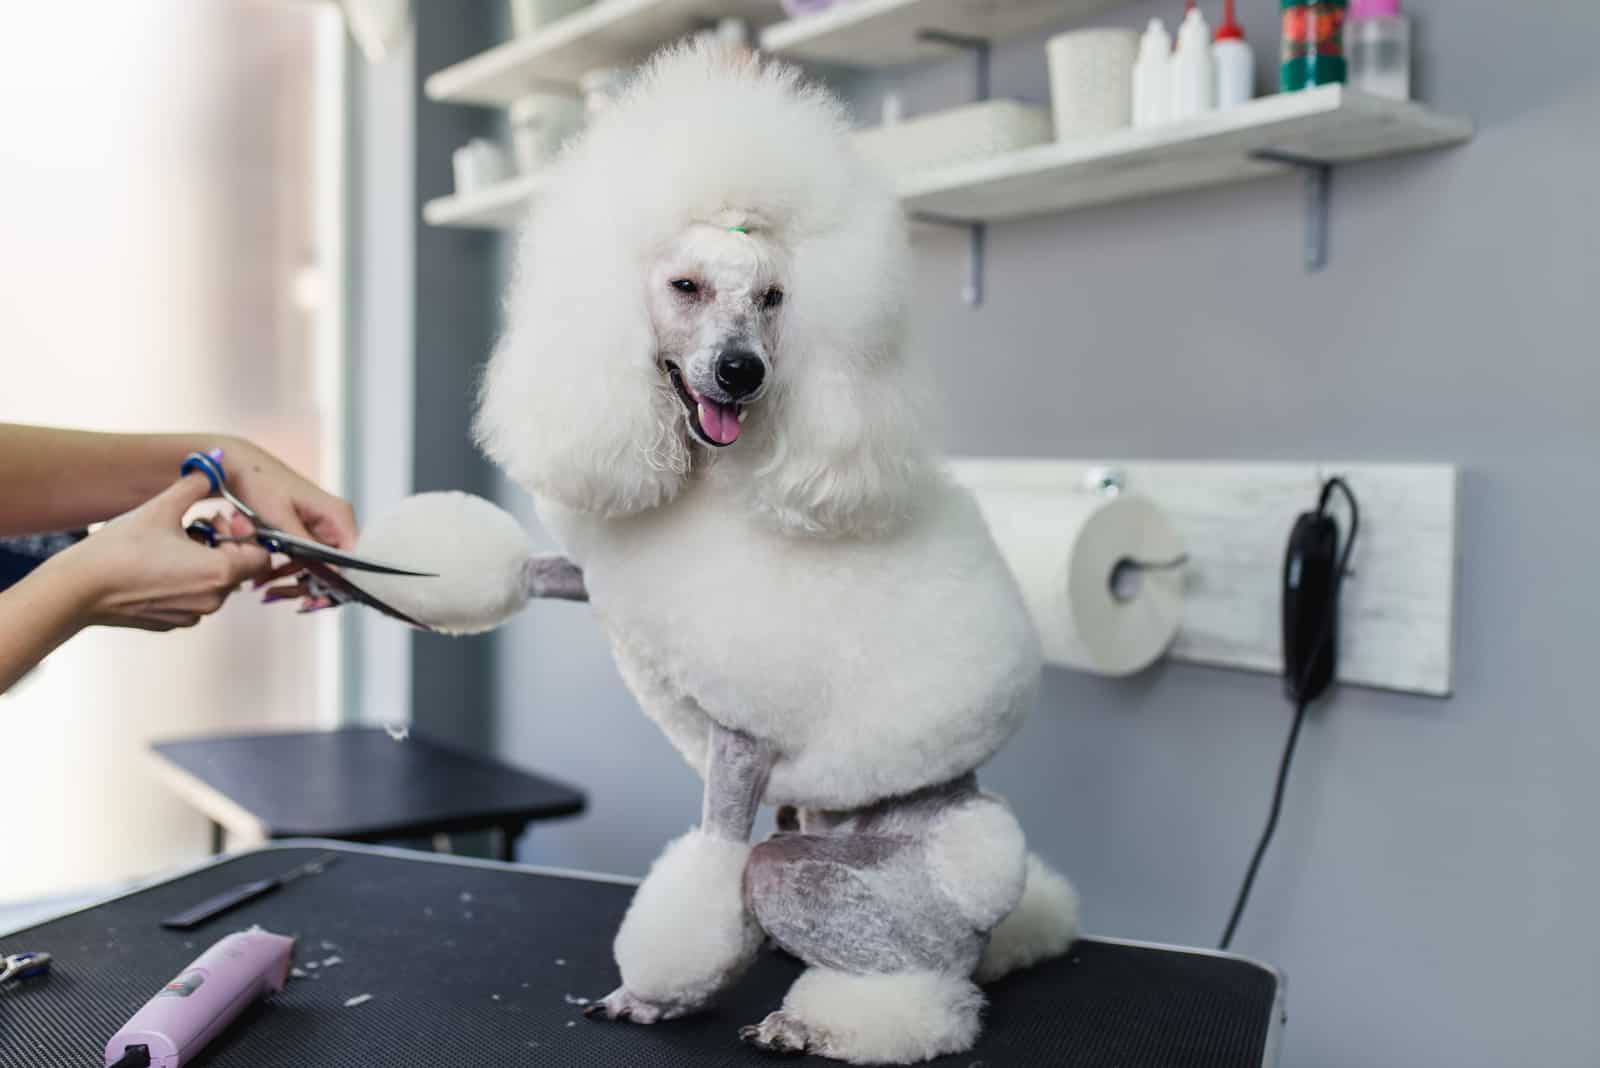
(478,164)
(1091,81)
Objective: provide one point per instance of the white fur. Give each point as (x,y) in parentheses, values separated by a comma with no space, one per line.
(478,551)
(687,932)
(977,855)
(819,585)
(1043,925)
(573,405)
(885,1019)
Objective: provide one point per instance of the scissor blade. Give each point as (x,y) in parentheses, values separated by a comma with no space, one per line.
(349,591)
(300,549)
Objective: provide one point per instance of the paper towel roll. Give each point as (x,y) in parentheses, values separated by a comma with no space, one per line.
(1065,550)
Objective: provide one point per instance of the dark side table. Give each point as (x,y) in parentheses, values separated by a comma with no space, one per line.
(356,785)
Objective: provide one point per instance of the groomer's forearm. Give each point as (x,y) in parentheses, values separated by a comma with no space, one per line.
(737,768)
(54,479)
(36,615)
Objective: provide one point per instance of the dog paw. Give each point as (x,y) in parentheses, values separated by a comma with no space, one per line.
(623,1004)
(778,1033)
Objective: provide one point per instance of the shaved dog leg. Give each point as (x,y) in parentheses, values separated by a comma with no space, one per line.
(688,932)
(556,578)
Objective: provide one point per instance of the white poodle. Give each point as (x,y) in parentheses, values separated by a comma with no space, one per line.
(704,386)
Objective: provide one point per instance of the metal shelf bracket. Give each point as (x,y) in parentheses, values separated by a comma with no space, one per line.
(1318,175)
(979,48)
(972,292)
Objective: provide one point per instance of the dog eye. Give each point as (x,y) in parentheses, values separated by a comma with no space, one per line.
(684,285)
(772,298)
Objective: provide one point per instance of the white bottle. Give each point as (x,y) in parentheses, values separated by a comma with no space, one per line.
(1193,81)
(1235,63)
(1152,76)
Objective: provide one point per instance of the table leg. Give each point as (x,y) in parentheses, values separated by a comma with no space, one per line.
(506,836)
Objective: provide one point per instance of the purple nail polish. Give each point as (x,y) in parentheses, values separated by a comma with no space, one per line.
(215,454)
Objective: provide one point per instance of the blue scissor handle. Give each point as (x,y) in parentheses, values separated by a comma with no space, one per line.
(206,464)
(36,970)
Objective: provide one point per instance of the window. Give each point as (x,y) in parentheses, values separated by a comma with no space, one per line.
(169,259)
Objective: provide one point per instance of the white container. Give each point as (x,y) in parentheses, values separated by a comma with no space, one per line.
(976,131)
(1091,81)
(528,16)
(1235,66)
(1152,76)
(1378,47)
(479,164)
(540,124)
(1193,78)
(1233,61)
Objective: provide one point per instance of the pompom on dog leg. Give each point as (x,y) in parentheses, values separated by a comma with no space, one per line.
(486,569)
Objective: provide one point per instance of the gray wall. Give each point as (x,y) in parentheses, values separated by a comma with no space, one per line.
(455,312)
(1431,895)
(426,309)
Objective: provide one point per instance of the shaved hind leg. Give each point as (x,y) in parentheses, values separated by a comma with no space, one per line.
(890,954)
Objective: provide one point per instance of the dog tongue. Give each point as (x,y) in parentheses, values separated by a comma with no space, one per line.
(719,421)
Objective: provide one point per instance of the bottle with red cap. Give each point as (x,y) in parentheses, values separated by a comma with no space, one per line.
(1233,62)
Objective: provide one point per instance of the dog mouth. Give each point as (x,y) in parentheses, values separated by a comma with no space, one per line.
(717,423)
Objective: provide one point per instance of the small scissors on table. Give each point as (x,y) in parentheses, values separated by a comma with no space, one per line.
(314,558)
(23,966)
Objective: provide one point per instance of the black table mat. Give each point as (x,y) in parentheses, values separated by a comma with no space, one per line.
(471,965)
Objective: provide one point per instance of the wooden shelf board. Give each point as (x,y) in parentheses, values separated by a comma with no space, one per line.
(883,33)
(611,33)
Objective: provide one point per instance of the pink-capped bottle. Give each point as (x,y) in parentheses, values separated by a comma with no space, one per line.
(1377,43)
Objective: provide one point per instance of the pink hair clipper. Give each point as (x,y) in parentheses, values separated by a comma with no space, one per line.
(175,1025)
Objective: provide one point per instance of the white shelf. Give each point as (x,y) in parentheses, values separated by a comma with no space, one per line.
(1328,125)
(883,33)
(499,207)
(1331,124)
(610,33)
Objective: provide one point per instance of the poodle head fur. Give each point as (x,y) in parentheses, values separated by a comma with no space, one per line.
(717,207)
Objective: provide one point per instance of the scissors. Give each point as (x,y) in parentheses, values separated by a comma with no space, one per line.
(321,580)
(23,966)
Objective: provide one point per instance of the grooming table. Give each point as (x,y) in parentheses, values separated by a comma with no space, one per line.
(356,784)
(473,963)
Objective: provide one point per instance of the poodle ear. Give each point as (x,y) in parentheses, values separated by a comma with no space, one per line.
(846,449)
(572,405)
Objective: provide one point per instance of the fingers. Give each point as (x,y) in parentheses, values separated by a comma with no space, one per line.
(182,495)
(245,560)
(159,622)
(282,571)
(332,522)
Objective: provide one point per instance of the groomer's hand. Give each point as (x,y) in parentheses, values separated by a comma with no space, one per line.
(143,571)
(285,499)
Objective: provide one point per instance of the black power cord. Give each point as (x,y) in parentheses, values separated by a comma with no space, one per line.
(1301,693)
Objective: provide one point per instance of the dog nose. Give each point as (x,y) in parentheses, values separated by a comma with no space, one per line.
(740,373)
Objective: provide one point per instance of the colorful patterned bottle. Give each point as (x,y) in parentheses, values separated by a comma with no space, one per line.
(1313,44)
